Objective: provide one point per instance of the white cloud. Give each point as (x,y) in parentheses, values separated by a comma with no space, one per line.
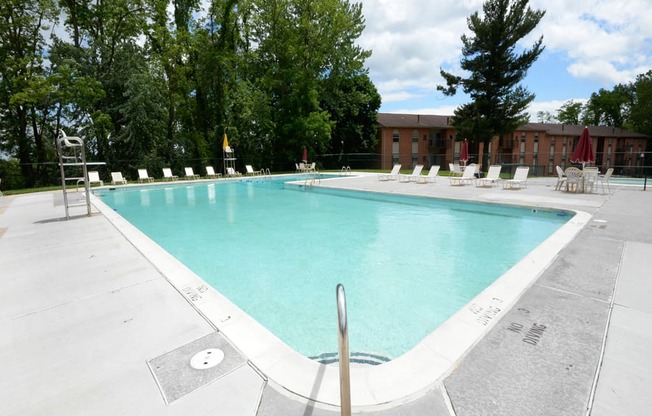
(604,42)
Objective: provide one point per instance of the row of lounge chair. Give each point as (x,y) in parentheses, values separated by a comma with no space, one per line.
(464,176)
(143,175)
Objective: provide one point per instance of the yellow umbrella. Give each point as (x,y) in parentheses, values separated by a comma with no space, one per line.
(225,143)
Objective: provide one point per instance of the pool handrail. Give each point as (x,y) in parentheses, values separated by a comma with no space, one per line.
(343,341)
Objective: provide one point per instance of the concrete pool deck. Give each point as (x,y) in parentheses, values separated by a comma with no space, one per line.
(90,326)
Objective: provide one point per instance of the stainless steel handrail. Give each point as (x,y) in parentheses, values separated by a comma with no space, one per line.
(343,338)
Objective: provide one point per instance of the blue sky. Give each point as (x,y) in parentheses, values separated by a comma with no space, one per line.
(590,44)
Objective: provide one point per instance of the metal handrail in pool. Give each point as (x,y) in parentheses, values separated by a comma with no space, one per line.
(343,341)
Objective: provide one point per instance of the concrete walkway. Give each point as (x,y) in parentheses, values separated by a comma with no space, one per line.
(90,327)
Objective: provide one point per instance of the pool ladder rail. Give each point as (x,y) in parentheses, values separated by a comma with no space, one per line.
(343,343)
(345,171)
(314,178)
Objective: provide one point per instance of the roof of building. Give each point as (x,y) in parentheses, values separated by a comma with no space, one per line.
(551,129)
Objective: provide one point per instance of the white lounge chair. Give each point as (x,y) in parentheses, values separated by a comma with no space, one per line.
(210,173)
(117,179)
(519,180)
(605,179)
(143,176)
(467,176)
(190,174)
(454,169)
(251,172)
(391,176)
(232,172)
(492,178)
(561,178)
(93,177)
(413,176)
(431,176)
(168,176)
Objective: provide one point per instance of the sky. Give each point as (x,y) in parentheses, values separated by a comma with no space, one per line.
(589,45)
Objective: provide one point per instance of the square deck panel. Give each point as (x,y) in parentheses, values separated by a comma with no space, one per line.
(177,376)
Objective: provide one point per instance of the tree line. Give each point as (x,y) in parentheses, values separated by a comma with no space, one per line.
(153,83)
(626,106)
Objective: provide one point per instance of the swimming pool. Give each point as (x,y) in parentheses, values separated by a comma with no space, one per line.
(627,181)
(415,371)
(407,263)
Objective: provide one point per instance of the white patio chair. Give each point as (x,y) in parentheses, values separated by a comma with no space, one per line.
(454,169)
(190,174)
(391,176)
(519,180)
(431,176)
(251,172)
(561,178)
(590,175)
(467,176)
(602,179)
(143,176)
(574,179)
(412,177)
(210,173)
(117,179)
(168,176)
(492,178)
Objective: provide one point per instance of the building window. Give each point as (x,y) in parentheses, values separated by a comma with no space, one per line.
(415,147)
(521,159)
(395,146)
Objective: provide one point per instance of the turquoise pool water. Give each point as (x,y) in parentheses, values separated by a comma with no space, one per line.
(616,180)
(278,253)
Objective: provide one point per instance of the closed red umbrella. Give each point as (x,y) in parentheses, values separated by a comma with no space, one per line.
(464,153)
(583,152)
(304,158)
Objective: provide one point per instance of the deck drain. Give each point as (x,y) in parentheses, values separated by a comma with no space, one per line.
(206,359)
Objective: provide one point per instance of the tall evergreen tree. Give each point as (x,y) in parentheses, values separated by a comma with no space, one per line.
(495,70)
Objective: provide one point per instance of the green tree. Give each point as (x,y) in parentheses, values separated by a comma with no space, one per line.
(570,112)
(610,108)
(353,104)
(545,117)
(106,48)
(495,70)
(640,120)
(300,45)
(24,88)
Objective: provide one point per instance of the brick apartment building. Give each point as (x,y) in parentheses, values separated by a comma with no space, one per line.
(410,139)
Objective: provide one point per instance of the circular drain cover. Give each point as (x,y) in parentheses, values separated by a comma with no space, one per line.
(206,359)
